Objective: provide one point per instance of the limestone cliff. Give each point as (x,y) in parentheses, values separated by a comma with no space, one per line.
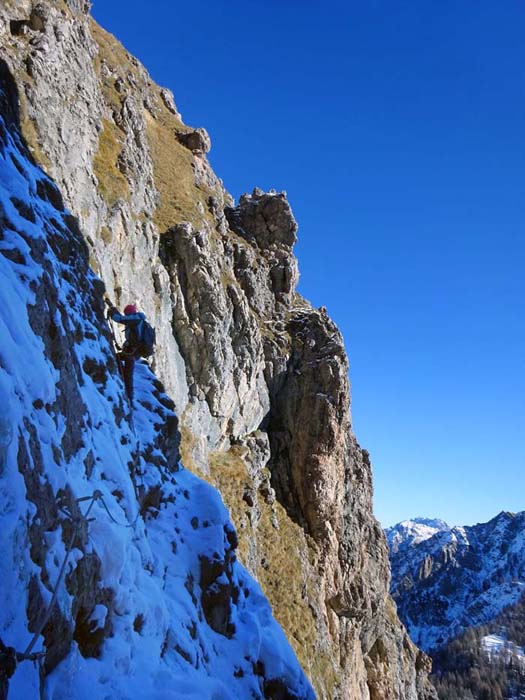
(258,376)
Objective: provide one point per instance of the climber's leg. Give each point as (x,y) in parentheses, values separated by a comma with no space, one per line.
(127,363)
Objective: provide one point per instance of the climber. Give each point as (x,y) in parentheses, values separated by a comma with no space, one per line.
(140,339)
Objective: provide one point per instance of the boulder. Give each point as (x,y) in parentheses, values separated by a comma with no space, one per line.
(198,141)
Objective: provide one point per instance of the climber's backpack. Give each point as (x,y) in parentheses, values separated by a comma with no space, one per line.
(146,339)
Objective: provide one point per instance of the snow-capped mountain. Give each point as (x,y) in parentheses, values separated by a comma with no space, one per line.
(447,579)
(412,532)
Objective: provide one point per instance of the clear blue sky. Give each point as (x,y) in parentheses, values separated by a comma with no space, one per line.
(397,129)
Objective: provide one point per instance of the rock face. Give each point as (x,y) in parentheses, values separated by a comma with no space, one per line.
(197,141)
(258,377)
(118,566)
(453,578)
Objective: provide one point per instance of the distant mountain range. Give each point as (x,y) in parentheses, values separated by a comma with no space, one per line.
(448,579)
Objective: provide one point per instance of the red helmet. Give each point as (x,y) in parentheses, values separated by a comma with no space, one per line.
(130,309)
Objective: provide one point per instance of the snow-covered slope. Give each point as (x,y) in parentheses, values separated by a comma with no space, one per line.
(455,578)
(497,646)
(412,532)
(153,603)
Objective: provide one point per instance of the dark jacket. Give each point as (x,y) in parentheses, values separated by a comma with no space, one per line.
(132,323)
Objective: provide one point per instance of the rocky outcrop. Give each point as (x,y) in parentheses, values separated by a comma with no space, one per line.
(219,592)
(197,141)
(119,567)
(258,376)
(308,467)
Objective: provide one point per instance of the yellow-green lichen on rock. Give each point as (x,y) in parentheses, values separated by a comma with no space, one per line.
(180,199)
(112,183)
(282,558)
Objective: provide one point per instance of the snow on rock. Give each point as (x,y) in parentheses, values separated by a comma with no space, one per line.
(446,579)
(153,603)
(411,532)
(497,646)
